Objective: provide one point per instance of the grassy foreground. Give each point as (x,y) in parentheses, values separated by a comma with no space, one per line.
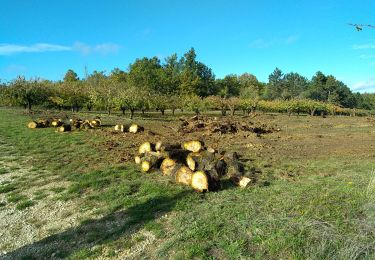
(323,208)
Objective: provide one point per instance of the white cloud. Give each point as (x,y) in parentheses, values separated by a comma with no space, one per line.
(365,86)
(9,49)
(85,49)
(363,46)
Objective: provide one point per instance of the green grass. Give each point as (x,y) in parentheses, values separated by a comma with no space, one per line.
(15,197)
(301,208)
(25,204)
(3,171)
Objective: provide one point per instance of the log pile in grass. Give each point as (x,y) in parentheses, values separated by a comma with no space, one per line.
(66,125)
(192,164)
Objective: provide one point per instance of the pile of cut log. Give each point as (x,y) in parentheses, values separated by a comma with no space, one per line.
(65,126)
(132,128)
(192,164)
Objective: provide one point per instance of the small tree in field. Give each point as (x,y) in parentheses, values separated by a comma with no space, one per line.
(160,102)
(216,102)
(130,98)
(233,104)
(174,102)
(28,93)
(195,103)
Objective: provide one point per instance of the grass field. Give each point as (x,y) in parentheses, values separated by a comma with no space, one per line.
(79,195)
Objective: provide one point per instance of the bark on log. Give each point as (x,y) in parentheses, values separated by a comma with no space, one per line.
(150,161)
(64,128)
(56,123)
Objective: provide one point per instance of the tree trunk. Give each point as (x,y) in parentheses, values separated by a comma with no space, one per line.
(223,112)
(109,111)
(123,111)
(131,113)
(143,112)
(162,112)
(28,106)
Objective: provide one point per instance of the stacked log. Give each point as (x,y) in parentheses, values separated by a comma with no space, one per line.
(56,122)
(133,128)
(192,164)
(62,126)
(40,123)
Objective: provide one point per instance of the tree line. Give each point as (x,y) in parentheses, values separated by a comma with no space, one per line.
(183,83)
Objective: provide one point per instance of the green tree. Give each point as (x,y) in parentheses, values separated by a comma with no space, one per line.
(70,76)
(275,86)
(147,74)
(118,75)
(28,93)
(229,86)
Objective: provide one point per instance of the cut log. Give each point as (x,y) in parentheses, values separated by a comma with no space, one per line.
(203,181)
(184,175)
(94,123)
(64,128)
(134,128)
(119,128)
(244,182)
(168,166)
(199,181)
(193,146)
(85,125)
(150,161)
(56,123)
(211,150)
(43,122)
(76,122)
(137,159)
(190,162)
(32,125)
(145,147)
(158,146)
(194,161)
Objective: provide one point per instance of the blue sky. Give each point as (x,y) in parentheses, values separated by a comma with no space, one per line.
(46,38)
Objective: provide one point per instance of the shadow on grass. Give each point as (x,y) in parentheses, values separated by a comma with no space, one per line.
(98,231)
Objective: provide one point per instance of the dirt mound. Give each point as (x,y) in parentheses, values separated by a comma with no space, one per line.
(222,126)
